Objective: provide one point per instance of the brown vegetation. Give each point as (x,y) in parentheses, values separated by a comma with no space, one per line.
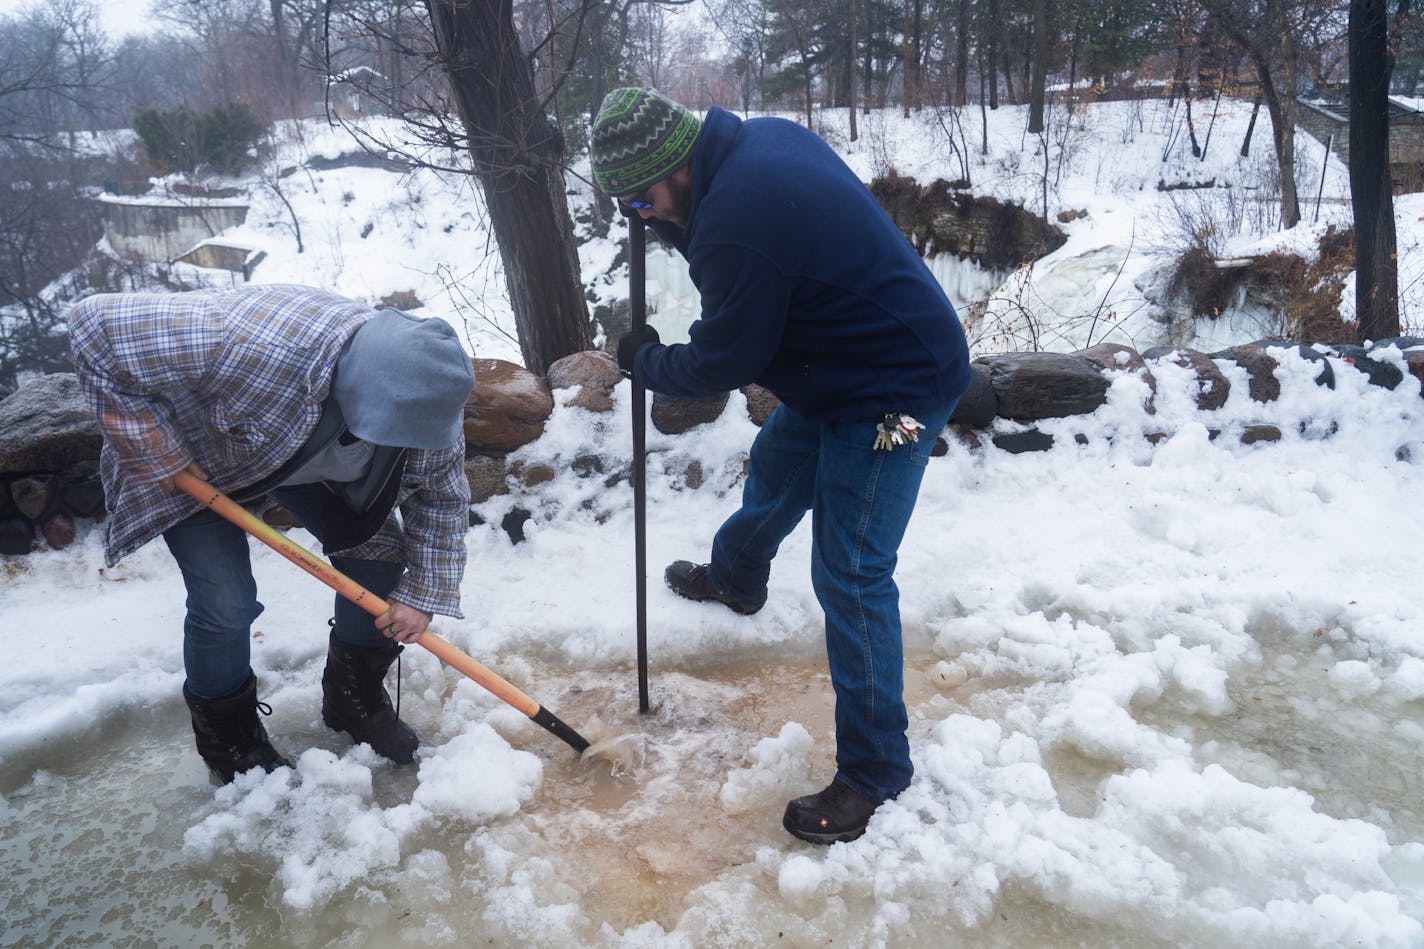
(1307,292)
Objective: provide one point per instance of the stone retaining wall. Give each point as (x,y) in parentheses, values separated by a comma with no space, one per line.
(49,442)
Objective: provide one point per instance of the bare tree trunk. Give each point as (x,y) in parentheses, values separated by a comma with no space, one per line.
(1371,191)
(518,154)
(905,65)
(1250,128)
(854,41)
(993,71)
(961,56)
(603,209)
(1039,80)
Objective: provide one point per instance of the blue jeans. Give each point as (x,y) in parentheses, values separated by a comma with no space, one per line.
(222,594)
(860,501)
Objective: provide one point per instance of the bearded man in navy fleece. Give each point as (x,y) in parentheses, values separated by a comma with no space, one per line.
(809,290)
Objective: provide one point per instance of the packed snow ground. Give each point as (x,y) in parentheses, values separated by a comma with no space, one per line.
(1159,695)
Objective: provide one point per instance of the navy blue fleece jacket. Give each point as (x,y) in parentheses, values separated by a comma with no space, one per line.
(807,286)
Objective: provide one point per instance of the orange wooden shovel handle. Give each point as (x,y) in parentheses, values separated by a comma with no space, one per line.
(446,652)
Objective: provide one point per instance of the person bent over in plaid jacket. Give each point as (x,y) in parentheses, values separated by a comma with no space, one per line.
(344,415)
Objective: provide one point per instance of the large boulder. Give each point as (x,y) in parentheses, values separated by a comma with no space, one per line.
(673,415)
(760,403)
(1030,386)
(1261,382)
(1115,357)
(45,426)
(1326,375)
(508,408)
(594,373)
(978,406)
(1213,389)
(1386,375)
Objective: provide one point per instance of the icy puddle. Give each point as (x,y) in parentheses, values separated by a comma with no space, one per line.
(118,839)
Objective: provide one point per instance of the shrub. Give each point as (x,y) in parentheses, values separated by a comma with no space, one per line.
(182,140)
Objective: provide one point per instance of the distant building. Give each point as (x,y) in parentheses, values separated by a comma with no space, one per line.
(349,91)
(1328,121)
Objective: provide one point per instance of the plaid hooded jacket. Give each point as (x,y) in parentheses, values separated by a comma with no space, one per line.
(234,380)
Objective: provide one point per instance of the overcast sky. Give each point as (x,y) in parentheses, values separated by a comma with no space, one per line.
(121,17)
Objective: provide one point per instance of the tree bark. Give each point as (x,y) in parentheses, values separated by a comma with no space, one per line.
(854,42)
(1371,191)
(992,41)
(961,56)
(518,156)
(1039,78)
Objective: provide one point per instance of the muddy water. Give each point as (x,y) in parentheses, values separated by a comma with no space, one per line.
(91,832)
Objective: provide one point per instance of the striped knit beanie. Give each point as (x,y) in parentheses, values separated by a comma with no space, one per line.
(639,138)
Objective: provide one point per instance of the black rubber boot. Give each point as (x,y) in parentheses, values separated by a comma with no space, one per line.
(229,734)
(690,581)
(355,701)
(826,817)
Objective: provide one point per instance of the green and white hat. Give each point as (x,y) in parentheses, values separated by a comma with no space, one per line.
(639,138)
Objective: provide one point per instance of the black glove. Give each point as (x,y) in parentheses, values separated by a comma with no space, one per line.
(629,344)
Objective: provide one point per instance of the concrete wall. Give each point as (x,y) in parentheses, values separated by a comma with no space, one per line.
(146,229)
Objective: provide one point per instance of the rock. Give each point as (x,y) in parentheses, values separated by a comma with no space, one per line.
(1262,384)
(760,403)
(84,498)
(36,495)
(1399,342)
(1115,357)
(513,524)
(978,406)
(1033,386)
(683,472)
(1212,387)
(1326,376)
(1118,358)
(595,373)
(1414,359)
(17,537)
(1383,374)
(45,426)
(673,415)
(487,475)
(1252,434)
(1016,443)
(531,475)
(58,530)
(508,408)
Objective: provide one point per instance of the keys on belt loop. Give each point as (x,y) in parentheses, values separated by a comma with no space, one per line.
(896,429)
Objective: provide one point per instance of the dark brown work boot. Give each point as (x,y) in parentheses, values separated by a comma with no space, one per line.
(826,817)
(690,581)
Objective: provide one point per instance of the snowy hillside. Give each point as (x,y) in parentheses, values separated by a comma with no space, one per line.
(369,233)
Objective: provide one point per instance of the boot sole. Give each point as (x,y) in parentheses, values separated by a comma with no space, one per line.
(743,610)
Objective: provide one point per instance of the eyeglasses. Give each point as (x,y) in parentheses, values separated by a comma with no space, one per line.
(638,203)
